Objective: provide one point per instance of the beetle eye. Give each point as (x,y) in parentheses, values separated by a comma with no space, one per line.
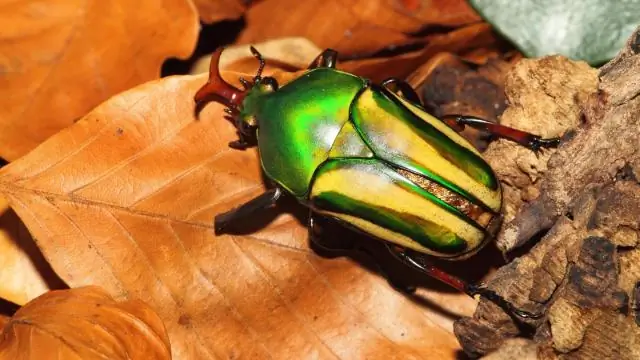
(270,82)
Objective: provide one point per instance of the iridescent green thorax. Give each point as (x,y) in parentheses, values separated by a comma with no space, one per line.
(298,124)
(251,104)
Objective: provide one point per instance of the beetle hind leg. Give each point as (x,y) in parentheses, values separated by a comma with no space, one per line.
(528,140)
(327,59)
(419,263)
(332,245)
(320,241)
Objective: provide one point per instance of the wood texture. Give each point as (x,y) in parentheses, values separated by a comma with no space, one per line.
(585,270)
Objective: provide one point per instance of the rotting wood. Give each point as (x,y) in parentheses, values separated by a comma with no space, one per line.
(585,200)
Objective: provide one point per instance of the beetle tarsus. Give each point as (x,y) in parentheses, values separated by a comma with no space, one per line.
(327,59)
(421,264)
(261,202)
(495,298)
(538,143)
(528,140)
(395,84)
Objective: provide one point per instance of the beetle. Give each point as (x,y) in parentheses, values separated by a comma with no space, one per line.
(370,156)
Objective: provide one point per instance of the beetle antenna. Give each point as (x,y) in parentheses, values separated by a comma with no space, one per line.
(217,88)
(258,56)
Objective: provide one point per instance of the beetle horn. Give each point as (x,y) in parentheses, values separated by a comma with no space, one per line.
(217,88)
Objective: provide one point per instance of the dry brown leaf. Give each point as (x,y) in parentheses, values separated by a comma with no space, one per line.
(352,26)
(284,54)
(86,324)
(454,87)
(459,41)
(59,59)
(20,260)
(125,199)
(294,53)
(217,10)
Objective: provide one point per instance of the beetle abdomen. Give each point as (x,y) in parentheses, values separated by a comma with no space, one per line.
(399,174)
(299,123)
(372,196)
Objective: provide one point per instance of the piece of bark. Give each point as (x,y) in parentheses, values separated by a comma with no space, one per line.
(600,149)
(545,97)
(584,272)
(520,349)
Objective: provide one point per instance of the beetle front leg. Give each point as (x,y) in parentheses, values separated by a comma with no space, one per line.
(422,265)
(261,202)
(327,59)
(528,140)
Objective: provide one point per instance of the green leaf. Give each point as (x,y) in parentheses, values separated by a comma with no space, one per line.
(589,30)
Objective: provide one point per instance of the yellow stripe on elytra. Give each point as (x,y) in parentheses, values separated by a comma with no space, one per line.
(438,124)
(379,191)
(400,138)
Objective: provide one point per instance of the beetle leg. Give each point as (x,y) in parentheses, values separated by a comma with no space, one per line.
(258,203)
(327,59)
(241,144)
(421,264)
(317,236)
(531,141)
(327,246)
(245,83)
(395,84)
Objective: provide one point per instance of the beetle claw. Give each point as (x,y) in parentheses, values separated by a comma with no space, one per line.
(537,143)
(497,299)
(239,144)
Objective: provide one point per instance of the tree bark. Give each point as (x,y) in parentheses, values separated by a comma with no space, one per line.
(581,203)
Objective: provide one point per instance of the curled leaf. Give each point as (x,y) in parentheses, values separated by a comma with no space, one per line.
(352,26)
(25,273)
(459,41)
(86,324)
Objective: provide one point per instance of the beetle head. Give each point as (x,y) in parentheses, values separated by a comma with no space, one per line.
(241,104)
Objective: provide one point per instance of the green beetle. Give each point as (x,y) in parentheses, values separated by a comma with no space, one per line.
(370,157)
